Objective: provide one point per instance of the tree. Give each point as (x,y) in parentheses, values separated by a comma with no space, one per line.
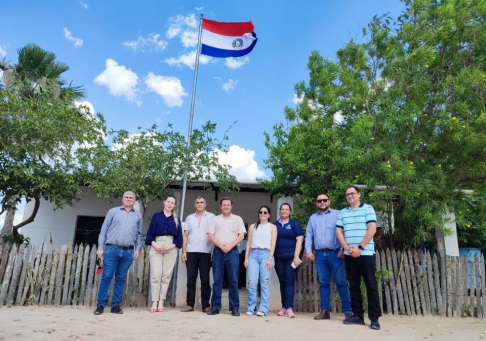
(40,132)
(149,162)
(404,108)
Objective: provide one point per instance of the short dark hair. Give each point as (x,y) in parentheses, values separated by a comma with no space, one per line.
(355,188)
(225,198)
(200,197)
(286,203)
(317,196)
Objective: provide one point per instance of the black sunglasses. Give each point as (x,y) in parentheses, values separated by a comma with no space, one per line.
(263,212)
(322,200)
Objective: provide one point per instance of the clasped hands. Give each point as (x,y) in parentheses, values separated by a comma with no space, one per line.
(163,249)
(354,251)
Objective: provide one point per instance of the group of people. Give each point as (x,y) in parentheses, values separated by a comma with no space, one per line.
(339,242)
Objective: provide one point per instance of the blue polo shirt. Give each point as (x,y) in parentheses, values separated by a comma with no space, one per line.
(354,223)
(286,235)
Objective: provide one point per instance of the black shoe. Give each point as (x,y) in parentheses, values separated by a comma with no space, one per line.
(213,311)
(99,310)
(375,325)
(116,310)
(354,319)
(235,312)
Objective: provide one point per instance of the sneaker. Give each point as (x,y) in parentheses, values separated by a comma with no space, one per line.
(354,319)
(282,312)
(213,311)
(99,310)
(323,315)
(261,314)
(250,313)
(187,309)
(375,325)
(116,310)
(290,313)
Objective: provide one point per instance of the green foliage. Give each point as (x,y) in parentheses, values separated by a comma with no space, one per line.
(150,161)
(404,109)
(12,239)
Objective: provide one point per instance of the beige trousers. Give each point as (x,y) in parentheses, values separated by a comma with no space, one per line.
(161,267)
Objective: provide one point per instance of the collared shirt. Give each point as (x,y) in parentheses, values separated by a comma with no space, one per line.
(198,228)
(286,236)
(355,225)
(121,228)
(226,230)
(321,229)
(160,225)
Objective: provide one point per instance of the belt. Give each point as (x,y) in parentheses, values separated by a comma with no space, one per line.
(121,247)
(328,250)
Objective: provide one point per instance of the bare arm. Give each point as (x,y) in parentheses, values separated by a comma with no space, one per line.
(214,241)
(298,249)
(248,244)
(342,240)
(273,231)
(185,238)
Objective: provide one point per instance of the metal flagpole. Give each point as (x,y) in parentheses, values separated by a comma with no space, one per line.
(189,133)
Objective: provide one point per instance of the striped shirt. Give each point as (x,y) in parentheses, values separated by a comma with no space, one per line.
(321,229)
(355,224)
(121,228)
(198,233)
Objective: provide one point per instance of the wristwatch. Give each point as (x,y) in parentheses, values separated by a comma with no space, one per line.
(360,247)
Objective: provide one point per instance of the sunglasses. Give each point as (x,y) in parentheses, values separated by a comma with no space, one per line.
(322,200)
(263,212)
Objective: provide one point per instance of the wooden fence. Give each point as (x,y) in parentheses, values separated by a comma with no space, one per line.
(406,287)
(34,276)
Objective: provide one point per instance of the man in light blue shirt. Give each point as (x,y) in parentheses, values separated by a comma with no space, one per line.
(355,229)
(321,231)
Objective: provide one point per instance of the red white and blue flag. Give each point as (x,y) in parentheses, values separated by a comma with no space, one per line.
(227,39)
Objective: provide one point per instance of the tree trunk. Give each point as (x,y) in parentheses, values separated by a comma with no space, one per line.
(8,224)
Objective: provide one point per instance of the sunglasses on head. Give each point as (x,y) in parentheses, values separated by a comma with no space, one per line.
(322,200)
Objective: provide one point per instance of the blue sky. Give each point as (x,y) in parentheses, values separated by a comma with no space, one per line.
(134,59)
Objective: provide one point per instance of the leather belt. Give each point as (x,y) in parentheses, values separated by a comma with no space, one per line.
(328,250)
(121,247)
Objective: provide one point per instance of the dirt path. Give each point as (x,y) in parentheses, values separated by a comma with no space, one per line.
(79,323)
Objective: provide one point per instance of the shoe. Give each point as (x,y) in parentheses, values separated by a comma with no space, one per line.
(282,312)
(116,310)
(99,310)
(213,311)
(153,310)
(206,310)
(375,325)
(187,309)
(354,319)
(290,313)
(235,312)
(261,314)
(160,309)
(323,315)
(250,313)
(346,316)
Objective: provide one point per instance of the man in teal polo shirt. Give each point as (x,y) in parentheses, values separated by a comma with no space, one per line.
(355,228)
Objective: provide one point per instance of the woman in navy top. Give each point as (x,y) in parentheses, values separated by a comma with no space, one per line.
(164,235)
(287,257)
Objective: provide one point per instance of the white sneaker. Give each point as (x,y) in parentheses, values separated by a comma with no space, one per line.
(250,313)
(261,314)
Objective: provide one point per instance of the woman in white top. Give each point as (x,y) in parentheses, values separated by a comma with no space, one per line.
(260,247)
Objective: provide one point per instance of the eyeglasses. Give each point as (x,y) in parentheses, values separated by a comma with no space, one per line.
(322,200)
(351,194)
(199,202)
(263,212)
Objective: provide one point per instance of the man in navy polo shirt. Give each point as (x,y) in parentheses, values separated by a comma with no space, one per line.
(355,228)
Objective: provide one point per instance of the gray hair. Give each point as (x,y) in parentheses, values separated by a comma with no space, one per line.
(130,192)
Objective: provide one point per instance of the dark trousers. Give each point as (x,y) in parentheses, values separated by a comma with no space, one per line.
(198,262)
(363,266)
(286,275)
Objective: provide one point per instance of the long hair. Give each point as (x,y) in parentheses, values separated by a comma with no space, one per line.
(269,214)
(174,214)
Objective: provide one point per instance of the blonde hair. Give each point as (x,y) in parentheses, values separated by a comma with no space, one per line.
(174,214)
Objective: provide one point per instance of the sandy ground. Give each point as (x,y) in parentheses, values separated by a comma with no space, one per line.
(79,323)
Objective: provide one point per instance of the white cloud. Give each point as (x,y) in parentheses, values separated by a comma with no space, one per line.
(77,42)
(198,8)
(338,117)
(188,59)
(86,104)
(217,78)
(3,53)
(84,4)
(18,218)
(120,81)
(297,100)
(149,44)
(235,63)
(185,28)
(132,139)
(242,162)
(170,88)
(229,85)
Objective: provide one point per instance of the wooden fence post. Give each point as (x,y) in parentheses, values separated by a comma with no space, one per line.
(392,282)
(60,276)
(17,268)
(66,293)
(8,274)
(438,290)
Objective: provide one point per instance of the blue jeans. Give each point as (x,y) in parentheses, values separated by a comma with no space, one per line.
(115,262)
(230,261)
(328,266)
(257,269)
(286,276)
